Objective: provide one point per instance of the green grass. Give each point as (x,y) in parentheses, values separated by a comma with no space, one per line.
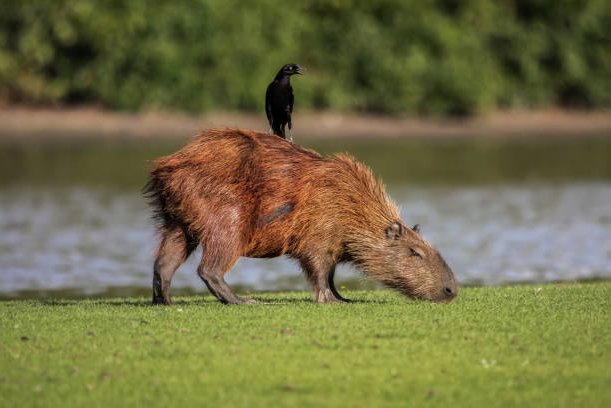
(507,346)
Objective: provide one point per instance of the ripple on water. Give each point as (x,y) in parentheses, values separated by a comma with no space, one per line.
(91,239)
(534,232)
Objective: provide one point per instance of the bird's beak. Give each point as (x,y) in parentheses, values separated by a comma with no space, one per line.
(299,70)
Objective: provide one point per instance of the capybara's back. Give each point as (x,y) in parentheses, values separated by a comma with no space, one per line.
(245,193)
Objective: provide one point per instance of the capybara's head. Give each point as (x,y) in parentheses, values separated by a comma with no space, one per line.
(414,267)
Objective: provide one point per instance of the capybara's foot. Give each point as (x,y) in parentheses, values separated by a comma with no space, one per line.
(161,301)
(327,296)
(236,300)
(243,301)
(341,298)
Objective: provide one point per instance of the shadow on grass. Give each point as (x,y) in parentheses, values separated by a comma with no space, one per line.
(268,300)
(121,302)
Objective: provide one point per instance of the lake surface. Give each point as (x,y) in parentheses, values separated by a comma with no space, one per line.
(74,223)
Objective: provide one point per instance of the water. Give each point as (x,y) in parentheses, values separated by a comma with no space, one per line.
(73,221)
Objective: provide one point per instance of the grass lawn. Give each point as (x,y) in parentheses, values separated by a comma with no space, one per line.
(537,346)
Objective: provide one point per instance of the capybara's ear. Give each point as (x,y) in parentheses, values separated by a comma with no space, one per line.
(395,230)
(416,228)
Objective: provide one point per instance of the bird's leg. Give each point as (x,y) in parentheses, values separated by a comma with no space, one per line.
(290,124)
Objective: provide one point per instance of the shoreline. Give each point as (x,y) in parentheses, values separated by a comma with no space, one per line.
(17,123)
(114,292)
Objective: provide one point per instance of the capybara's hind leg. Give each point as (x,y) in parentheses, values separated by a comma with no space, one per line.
(212,275)
(320,273)
(174,249)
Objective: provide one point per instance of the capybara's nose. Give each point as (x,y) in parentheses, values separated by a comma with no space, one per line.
(449,292)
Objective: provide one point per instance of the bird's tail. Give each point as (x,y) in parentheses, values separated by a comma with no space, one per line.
(278,130)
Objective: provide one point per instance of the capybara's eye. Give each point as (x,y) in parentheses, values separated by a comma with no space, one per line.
(415,253)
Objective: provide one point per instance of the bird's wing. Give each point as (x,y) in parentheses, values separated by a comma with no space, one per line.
(268,105)
(292,100)
(289,109)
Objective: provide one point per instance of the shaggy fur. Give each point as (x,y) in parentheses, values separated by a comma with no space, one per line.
(244,193)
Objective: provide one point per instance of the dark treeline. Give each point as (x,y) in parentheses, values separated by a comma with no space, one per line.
(448,57)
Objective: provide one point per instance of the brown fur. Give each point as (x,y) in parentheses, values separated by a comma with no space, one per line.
(245,193)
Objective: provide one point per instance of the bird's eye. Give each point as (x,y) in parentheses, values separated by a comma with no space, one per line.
(413,252)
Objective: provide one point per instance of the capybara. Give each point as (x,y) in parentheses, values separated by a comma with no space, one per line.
(245,193)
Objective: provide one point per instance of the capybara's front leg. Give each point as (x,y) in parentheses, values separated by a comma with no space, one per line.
(320,272)
(175,248)
(333,289)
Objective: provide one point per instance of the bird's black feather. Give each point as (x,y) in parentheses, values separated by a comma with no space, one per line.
(279,100)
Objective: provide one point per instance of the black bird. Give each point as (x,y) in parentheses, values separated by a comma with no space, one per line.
(279,100)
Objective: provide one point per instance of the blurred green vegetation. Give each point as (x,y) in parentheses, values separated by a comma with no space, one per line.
(444,57)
